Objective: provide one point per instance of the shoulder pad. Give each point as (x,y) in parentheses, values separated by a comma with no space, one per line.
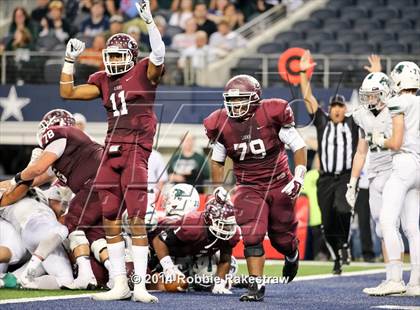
(213,122)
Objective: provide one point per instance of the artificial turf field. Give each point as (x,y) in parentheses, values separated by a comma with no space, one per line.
(314,288)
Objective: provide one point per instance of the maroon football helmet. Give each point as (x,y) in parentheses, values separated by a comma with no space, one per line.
(57,117)
(120,54)
(241,96)
(220,219)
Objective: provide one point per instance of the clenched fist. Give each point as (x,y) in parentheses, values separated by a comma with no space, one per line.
(74,48)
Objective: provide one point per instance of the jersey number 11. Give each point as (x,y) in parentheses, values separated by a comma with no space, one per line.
(123,110)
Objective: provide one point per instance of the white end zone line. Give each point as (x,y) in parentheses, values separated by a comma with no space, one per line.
(304,278)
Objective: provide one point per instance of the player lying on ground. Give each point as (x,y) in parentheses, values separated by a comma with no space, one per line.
(197,233)
(253,133)
(35,219)
(127,88)
(401,191)
(73,158)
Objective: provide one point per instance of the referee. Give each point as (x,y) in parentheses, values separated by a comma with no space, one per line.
(337,140)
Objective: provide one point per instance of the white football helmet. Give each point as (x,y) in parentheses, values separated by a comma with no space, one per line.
(374,91)
(181,199)
(405,75)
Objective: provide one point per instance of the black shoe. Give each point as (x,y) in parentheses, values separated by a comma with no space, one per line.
(254,293)
(290,269)
(337,267)
(345,254)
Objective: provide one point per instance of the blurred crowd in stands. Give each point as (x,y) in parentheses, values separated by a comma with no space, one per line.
(202,28)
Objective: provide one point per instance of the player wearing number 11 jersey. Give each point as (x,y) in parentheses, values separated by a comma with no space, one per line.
(127,88)
(253,133)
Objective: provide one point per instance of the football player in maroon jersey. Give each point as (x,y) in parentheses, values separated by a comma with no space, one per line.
(73,158)
(127,88)
(199,233)
(253,133)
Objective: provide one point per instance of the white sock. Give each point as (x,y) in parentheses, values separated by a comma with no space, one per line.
(108,265)
(116,258)
(414,275)
(395,270)
(140,256)
(388,272)
(33,264)
(85,269)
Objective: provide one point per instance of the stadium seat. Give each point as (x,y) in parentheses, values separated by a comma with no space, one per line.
(349,35)
(368,4)
(390,48)
(336,24)
(415,48)
(410,13)
(52,70)
(308,24)
(272,48)
(384,13)
(331,47)
(366,25)
(338,4)
(353,13)
(409,36)
(401,3)
(337,65)
(305,44)
(171,31)
(319,35)
(397,25)
(378,36)
(361,47)
(288,36)
(323,14)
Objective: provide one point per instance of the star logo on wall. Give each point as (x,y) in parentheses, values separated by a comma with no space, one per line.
(12,105)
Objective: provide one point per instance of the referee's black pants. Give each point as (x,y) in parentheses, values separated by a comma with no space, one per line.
(335,211)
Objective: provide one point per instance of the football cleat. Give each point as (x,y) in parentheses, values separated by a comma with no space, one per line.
(388,287)
(412,290)
(141,294)
(290,269)
(119,291)
(255,292)
(337,267)
(81,283)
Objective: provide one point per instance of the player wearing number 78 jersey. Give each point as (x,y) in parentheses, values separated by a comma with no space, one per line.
(127,88)
(253,133)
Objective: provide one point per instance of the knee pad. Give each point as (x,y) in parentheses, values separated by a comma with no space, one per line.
(254,250)
(77,238)
(97,247)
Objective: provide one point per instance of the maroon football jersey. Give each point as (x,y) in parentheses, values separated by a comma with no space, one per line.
(258,154)
(196,239)
(128,100)
(80,160)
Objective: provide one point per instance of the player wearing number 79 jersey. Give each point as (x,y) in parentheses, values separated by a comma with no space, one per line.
(127,88)
(253,133)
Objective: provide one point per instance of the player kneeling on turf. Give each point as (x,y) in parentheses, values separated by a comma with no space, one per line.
(198,233)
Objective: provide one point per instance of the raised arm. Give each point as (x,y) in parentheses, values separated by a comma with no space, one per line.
(311,103)
(67,89)
(157,56)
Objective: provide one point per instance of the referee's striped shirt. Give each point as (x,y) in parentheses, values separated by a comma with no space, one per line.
(336,142)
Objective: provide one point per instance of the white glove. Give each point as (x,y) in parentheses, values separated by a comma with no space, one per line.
(351,192)
(378,138)
(74,48)
(144,11)
(172,273)
(293,188)
(36,153)
(220,287)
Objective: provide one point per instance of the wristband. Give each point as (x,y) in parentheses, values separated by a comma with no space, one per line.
(167,263)
(17,180)
(353,182)
(68,68)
